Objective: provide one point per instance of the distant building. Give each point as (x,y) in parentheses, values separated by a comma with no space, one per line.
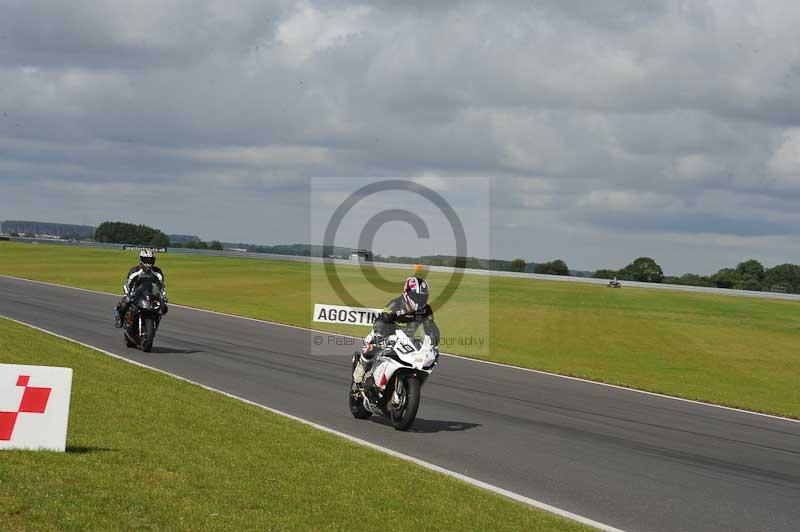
(360,255)
(47,229)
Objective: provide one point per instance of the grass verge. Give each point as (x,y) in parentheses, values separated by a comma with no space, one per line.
(733,351)
(146,451)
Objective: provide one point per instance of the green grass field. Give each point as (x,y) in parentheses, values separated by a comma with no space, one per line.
(734,351)
(146,451)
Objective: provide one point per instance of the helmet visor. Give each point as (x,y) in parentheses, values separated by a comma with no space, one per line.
(147,261)
(416,300)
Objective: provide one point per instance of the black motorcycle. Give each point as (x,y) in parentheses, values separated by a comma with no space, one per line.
(144,314)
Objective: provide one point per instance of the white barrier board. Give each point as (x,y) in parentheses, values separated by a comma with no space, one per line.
(34,407)
(345,315)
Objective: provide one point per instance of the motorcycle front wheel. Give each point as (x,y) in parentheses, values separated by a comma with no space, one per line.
(149,334)
(404,411)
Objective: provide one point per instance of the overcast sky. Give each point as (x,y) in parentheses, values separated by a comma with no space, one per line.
(610,129)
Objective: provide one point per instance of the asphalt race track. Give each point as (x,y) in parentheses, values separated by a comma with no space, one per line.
(633,461)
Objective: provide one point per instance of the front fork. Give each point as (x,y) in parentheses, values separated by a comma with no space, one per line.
(399,391)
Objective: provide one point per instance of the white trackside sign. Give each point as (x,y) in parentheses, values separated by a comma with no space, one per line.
(34,407)
(345,315)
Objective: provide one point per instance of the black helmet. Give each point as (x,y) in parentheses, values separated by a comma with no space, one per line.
(415,293)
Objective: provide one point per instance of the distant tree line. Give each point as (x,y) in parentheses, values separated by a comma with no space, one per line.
(747,275)
(556,267)
(300,250)
(142,235)
(125,233)
(448,261)
(196,243)
(442,260)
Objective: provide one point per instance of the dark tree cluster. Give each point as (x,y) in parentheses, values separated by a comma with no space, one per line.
(518,265)
(643,269)
(748,275)
(556,267)
(125,233)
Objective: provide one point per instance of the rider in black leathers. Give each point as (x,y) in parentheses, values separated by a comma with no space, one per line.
(406,312)
(146,266)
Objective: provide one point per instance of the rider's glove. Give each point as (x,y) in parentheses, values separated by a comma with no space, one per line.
(374,341)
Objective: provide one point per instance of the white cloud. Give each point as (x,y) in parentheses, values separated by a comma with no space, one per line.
(695,168)
(785,161)
(628,202)
(309,30)
(434,182)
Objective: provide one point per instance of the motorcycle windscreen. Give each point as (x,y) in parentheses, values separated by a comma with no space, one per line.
(148,287)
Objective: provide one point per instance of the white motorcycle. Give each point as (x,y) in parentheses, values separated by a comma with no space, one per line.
(393,382)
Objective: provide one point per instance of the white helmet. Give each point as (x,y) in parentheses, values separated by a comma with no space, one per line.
(147,258)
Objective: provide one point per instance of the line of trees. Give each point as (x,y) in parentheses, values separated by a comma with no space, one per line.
(747,275)
(556,267)
(448,261)
(196,243)
(125,233)
(142,235)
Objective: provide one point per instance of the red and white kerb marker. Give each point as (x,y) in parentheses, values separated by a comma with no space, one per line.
(34,407)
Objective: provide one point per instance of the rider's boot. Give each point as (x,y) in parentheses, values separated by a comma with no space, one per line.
(361,369)
(119,313)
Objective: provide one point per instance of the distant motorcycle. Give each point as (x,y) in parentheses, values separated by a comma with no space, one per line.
(392,385)
(144,314)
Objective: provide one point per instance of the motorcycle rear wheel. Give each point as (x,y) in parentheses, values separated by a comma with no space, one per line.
(405,413)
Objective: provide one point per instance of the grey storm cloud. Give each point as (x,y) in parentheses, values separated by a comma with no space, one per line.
(610,129)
